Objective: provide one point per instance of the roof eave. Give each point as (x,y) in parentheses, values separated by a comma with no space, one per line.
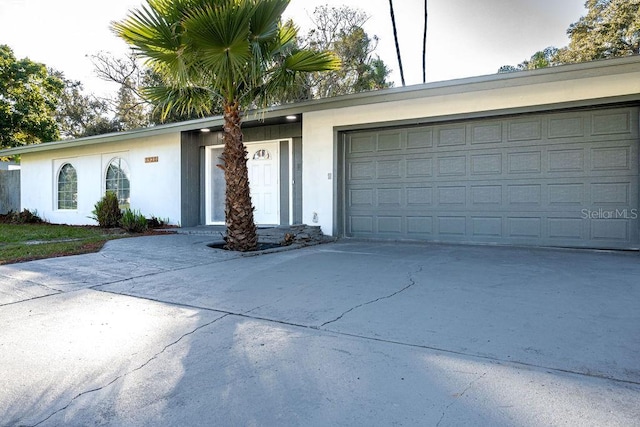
(449,87)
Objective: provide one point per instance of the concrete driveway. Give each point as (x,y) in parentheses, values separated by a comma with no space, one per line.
(165,331)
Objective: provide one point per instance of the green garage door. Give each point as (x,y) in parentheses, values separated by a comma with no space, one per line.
(559,179)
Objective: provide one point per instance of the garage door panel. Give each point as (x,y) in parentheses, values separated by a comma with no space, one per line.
(554,179)
(452,165)
(524,227)
(486,195)
(390,197)
(389,141)
(614,158)
(524,130)
(452,225)
(566,126)
(452,136)
(563,229)
(420,226)
(389,224)
(452,196)
(486,164)
(419,167)
(610,230)
(566,160)
(524,194)
(487,133)
(563,195)
(419,197)
(362,170)
(611,193)
(487,226)
(612,122)
(419,138)
(392,168)
(529,162)
(361,144)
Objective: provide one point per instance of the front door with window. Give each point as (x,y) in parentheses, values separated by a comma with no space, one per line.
(263,180)
(263,164)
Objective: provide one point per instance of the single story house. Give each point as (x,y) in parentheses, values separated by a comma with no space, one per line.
(544,158)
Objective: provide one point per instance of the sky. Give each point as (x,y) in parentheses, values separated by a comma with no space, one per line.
(465,37)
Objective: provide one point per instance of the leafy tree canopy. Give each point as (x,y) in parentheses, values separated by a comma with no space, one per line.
(28,98)
(541,59)
(81,115)
(135,108)
(340,30)
(610,29)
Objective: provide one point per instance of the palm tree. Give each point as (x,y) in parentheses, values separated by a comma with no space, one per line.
(395,36)
(236,54)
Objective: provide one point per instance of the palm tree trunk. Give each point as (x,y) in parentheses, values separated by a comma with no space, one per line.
(395,36)
(241,229)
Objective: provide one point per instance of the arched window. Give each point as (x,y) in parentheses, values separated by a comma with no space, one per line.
(117,180)
(67,187)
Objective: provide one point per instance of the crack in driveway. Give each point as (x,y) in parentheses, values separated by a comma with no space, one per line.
(412,282)
(129,372)
(458,396)
(248,315)
(31,282)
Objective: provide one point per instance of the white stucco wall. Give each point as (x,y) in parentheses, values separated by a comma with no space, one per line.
(155,187)
(318,126)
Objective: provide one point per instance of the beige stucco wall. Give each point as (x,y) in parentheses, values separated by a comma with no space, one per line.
(155,187)
(472,98)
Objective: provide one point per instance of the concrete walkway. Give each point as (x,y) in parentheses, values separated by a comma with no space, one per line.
(163,330)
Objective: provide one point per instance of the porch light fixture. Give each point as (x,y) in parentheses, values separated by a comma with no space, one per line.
(205,130)
(292,117)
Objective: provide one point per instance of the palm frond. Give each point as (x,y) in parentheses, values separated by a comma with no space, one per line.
(222,51)
(154,38)
(219,36)
(309,61)
(265,19)
(193,100)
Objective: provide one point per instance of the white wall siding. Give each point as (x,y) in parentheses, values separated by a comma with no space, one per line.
(155,186)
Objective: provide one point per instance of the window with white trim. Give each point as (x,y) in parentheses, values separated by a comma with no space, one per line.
(67,187)
(117,180)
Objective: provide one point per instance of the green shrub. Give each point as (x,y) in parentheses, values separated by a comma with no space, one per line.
(25,217)
(155,222)
(107,212)
(133,221)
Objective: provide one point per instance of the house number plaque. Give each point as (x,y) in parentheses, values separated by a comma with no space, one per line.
(153,159)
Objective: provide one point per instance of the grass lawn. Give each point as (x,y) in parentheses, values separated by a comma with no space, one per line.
(36,241)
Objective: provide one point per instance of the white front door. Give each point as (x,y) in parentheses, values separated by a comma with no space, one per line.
(263,165)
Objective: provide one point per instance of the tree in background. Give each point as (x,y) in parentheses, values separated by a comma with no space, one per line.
(130,112)
(133,77)
(234,53)
(79,115)
(28,98)
(334,29)
(541,59)
(339,30)
(610,29)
